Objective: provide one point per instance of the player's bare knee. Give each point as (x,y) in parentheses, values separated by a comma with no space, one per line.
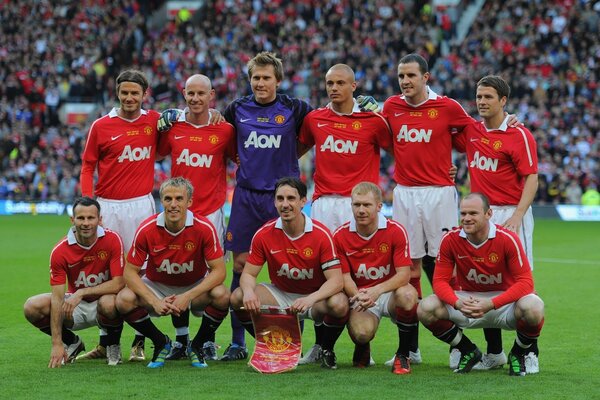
(220,296)
(107,306)
(338,305)
(126,301)
(360,333)
(36,307)
(531,309)
(405,297)
(236,299)
(427,309)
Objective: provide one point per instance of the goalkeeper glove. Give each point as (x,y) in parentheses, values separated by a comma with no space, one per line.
(367,103)
(165,122)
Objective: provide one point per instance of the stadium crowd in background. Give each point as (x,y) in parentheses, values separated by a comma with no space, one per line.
(50,54)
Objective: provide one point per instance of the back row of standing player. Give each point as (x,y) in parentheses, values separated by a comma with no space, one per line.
(269,132)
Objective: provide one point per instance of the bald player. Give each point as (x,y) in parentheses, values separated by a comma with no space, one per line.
(199,153)
(347,143)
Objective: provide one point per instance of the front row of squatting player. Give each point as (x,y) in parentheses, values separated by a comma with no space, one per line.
(351,278)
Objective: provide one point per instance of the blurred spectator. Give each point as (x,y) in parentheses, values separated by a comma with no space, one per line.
(53,52)
(591,197)
(573,193)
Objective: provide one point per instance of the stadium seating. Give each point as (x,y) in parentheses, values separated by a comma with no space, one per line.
(52,52)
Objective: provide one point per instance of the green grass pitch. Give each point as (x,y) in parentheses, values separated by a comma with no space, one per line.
(567,275)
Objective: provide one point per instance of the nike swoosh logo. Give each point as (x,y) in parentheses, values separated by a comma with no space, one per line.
(115,137)
(474,140)
(461,257)
(245,119)
(73,265)
(321,125)
(349,253)
(178,137)
(155,250)
(398,114)
(275,251)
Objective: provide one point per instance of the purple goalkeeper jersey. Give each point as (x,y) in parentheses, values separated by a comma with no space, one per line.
(266,139)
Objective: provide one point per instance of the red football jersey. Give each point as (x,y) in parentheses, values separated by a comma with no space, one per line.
(295,265)
(175,259)
(84,267)
(498,264)
(422,138)
(372,260)
(199,154)
(123,151)
(499,160)
(346,148)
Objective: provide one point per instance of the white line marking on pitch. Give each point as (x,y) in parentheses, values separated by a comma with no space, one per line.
(567,261)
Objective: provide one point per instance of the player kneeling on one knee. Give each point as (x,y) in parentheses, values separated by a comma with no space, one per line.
(185,269)
(376,263)
(497,289)
(90,260)
(303,267)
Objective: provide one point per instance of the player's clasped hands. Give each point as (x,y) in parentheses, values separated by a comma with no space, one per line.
(363,300)
(475,308)
(166,306)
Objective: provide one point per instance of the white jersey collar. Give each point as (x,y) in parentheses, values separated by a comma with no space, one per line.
(491,233)
(503,126)
(114,113)
(381,222)
(71,239)
(308,223)
(189,219)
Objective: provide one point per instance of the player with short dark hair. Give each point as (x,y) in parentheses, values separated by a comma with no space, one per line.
(303,268)
(90,260)
(502,162)
(425,198)
(497,291)
(185,269)
(374,252)
(121,147)
(267,126)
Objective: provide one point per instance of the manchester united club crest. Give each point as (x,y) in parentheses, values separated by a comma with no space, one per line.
(189,245)
(493,257)
(277,339)
(148,130)
(497,145)
(432,113)
(213,139)
(308,252)
(280,119)
(384,248)
(102,255)
(356,125)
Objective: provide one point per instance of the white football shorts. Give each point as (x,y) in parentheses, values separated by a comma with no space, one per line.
(85,314)
(125,216)
(217,218)
(381,307)
(502,213)
(427,213)
(286,299)
(502,318)
(161,291)
(332,211)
